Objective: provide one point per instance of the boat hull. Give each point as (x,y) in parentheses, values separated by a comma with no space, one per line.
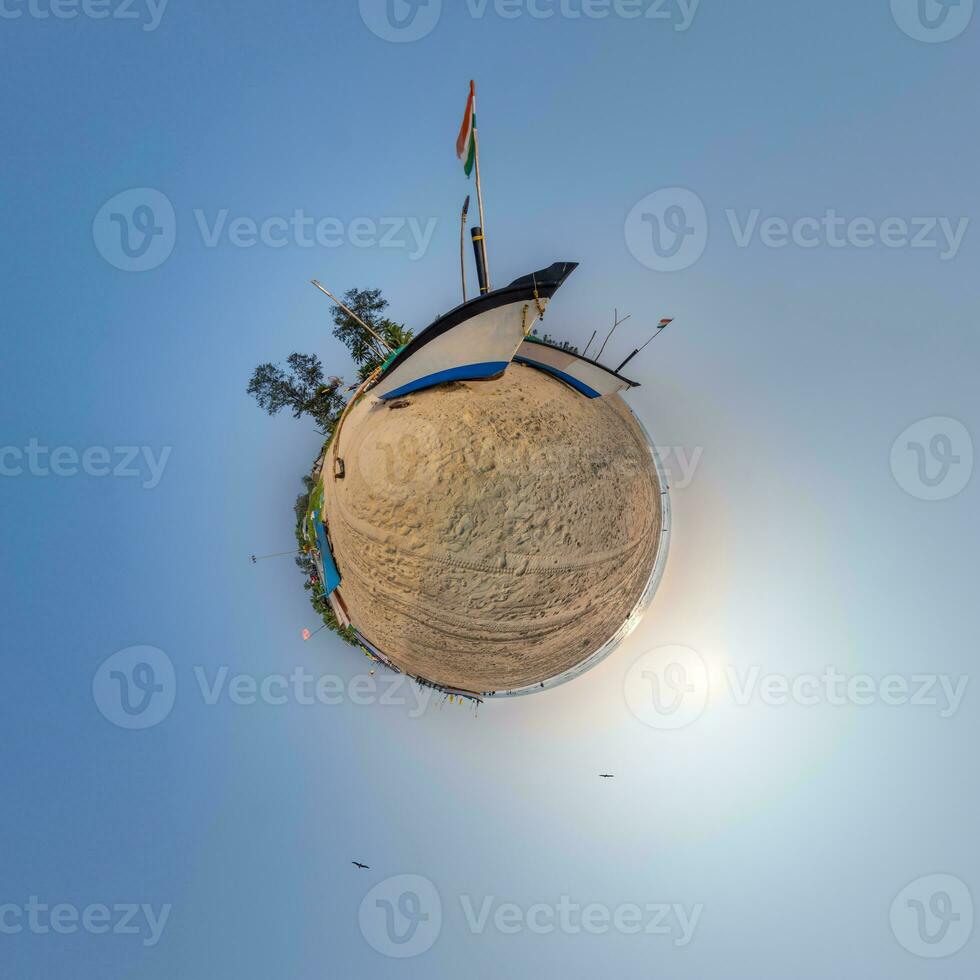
(585,376)
(477,340)
(329,575)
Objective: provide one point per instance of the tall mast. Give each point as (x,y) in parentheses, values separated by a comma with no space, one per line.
(479,192)
(468,150)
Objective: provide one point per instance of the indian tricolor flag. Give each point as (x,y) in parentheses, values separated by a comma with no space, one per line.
(466,141)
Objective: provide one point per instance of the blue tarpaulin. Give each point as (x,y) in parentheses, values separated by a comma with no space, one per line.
(331,577)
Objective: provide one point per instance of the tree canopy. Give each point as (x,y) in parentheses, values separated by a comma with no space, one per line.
(369,305)
(301,388)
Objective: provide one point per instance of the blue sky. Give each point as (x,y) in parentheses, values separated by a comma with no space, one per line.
(804,535)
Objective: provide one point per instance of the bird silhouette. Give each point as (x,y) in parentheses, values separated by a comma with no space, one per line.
(357,864)
(606,775)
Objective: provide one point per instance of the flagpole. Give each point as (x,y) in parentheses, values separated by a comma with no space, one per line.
(479,192)
(660,329)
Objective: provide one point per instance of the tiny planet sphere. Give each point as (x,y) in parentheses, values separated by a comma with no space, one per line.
(492,536)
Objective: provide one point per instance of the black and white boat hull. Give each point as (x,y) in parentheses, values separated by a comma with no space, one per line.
(588,377)
(477,340)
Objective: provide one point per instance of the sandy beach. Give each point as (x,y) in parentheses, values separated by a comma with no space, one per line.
(490,535)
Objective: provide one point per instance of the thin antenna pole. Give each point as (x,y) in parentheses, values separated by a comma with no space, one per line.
(589,344)
(479,192)
(616,323)
(281,554)
(462,243)
(658,332)
(384,343)
(660,329)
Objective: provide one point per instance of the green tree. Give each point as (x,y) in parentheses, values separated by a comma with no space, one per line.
(369,305)
(301,389)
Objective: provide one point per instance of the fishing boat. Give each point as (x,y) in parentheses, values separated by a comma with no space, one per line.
(326,566)
(476,340)
(589,377)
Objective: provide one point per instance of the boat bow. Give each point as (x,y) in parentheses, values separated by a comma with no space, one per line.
(476,340)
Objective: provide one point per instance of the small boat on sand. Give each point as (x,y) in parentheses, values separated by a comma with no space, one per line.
(584,375)
(476,340)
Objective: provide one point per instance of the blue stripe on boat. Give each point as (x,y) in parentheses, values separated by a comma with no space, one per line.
(580,386)
(468,372)
(330,572)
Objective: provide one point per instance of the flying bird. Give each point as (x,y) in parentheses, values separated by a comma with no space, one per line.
(606,775)
(357,864)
